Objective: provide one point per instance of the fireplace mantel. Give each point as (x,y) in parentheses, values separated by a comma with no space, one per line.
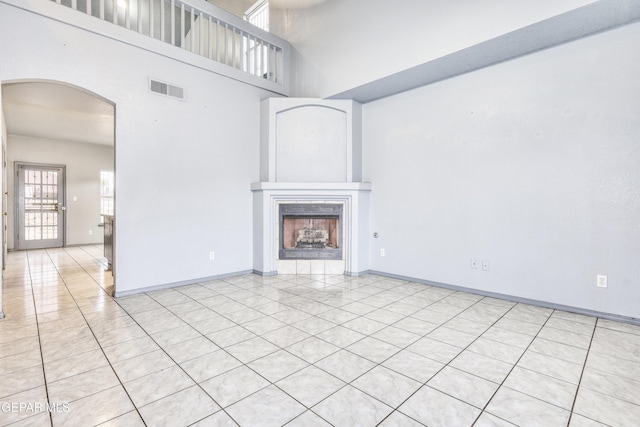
(311,186)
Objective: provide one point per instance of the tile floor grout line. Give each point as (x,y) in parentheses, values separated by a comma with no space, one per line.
(484,409)
(85,270)
(379,364)
(181,368)
(394,409)
(584,367)
(96,338)
(35,308)
(424,384)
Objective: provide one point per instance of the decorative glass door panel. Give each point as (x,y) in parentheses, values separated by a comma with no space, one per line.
(40,206)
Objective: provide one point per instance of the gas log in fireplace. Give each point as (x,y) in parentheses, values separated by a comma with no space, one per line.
(310,231)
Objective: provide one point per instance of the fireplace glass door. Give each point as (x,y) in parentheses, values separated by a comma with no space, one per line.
(310,231)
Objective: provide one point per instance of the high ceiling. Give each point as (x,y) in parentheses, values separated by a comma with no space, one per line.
(58,112)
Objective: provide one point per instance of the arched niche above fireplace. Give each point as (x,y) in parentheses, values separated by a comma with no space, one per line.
(310,140)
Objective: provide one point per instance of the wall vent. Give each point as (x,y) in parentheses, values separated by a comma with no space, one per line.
(166,89)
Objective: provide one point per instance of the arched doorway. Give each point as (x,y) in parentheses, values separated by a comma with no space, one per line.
(59,166)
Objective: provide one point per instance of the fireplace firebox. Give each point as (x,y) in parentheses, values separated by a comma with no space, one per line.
(310,231)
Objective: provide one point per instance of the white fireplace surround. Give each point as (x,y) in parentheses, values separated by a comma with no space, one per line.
(353,196)
(310,152)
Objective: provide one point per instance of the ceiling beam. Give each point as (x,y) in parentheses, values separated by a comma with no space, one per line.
(591,19)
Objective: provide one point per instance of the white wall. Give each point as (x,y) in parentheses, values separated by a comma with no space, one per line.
(183,169)
(340,44)
(83,163)
(531,164)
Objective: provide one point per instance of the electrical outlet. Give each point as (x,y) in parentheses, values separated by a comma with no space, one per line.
(485,264)
(601,281)
(474,263)
(212,256)
(90,232)
(381,252)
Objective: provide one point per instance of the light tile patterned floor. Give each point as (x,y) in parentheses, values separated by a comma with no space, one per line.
(301,351)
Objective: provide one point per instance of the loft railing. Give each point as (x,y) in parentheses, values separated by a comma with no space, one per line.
(181,24)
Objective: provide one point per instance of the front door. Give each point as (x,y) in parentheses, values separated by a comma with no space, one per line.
(40,206)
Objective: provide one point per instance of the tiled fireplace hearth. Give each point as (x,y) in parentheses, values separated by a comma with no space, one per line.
(310,208)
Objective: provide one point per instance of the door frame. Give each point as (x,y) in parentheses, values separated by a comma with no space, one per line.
(62,216)
(5,204)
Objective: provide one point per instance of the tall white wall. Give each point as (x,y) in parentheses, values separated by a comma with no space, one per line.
(532,164)
(341,44)
(183,169)
(83,163)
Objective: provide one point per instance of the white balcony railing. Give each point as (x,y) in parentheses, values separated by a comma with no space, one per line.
(180,23)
